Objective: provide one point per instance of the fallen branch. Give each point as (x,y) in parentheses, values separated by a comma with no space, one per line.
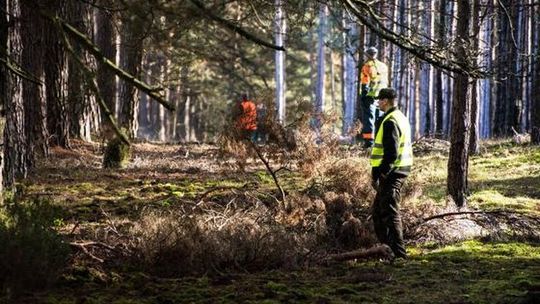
(376,252)
(92,243)
(82,246)
(220,188)
(269,169)
(471,213)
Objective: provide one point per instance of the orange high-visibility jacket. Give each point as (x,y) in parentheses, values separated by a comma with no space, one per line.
(375,75)
(248,116)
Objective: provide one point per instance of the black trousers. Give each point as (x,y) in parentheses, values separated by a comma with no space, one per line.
(385,214)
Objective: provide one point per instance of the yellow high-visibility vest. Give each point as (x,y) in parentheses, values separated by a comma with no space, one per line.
(405,152)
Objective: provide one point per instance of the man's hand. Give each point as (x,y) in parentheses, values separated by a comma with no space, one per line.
(375,184)
(364,90)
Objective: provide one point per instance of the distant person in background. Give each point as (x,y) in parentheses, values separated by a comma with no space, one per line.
(246,118)
(373,77)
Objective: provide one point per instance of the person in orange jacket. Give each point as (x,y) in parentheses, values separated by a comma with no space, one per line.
(374,76)
(246,118)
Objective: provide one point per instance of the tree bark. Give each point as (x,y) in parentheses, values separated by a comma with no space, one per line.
(55,80)
(4,87)
(33,93)
(77,103)
(458,160)
(106,41)
(321,58)
(15,165)
(131,52)
(474,147)
(280,26)
(508,93)
(349,77)
(535,102)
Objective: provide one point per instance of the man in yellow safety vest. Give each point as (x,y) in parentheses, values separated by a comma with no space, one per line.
(391,162)
(373,77)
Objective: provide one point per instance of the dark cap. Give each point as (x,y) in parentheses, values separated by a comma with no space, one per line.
(387,93)
(371,50)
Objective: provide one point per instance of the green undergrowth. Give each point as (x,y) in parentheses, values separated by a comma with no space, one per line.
(468,272)
(506,176)
(503,176)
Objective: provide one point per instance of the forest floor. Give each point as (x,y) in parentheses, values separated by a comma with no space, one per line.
(107,214)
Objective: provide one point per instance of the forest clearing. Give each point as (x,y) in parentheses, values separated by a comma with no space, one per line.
(256,151)
(181,225)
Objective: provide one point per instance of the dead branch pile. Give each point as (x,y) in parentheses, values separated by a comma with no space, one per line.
(446,225)
(428,145)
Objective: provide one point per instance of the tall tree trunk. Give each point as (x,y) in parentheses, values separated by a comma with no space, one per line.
(4,87)
(131,51)
(507,111)
(33,93)
(439,99)
(77,103)
(15,164)
(55,80)
(458,161)
(106,41)
(485,85)
(426,84)
(187,116)
(321,58)
(160,121)
(331,63)
(350,82)
(474,137)
(144,119)
(280,28)
(535,102)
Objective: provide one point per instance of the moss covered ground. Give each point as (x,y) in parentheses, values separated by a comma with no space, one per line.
(504,176)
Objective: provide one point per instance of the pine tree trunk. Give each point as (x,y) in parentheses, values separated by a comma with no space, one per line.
(106,41)
(458,161)
(77,103)
(15,164)
(349,77)
(485,85)
(160,122)
(439,98)
(280,30)
(32,93)
(131,51)
(58,123)
(4,89)
(508,93)
(426,84)
(535,102)
(187,117)
(475,138)
(321,60)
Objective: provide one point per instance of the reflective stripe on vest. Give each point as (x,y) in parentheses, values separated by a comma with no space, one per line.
(378,77)
(405,153)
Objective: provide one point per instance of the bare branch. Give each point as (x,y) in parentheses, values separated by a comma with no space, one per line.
(228,24)
(269,169)
(443,215)
(366,15)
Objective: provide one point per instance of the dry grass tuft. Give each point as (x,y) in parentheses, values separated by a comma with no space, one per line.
(177,244)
